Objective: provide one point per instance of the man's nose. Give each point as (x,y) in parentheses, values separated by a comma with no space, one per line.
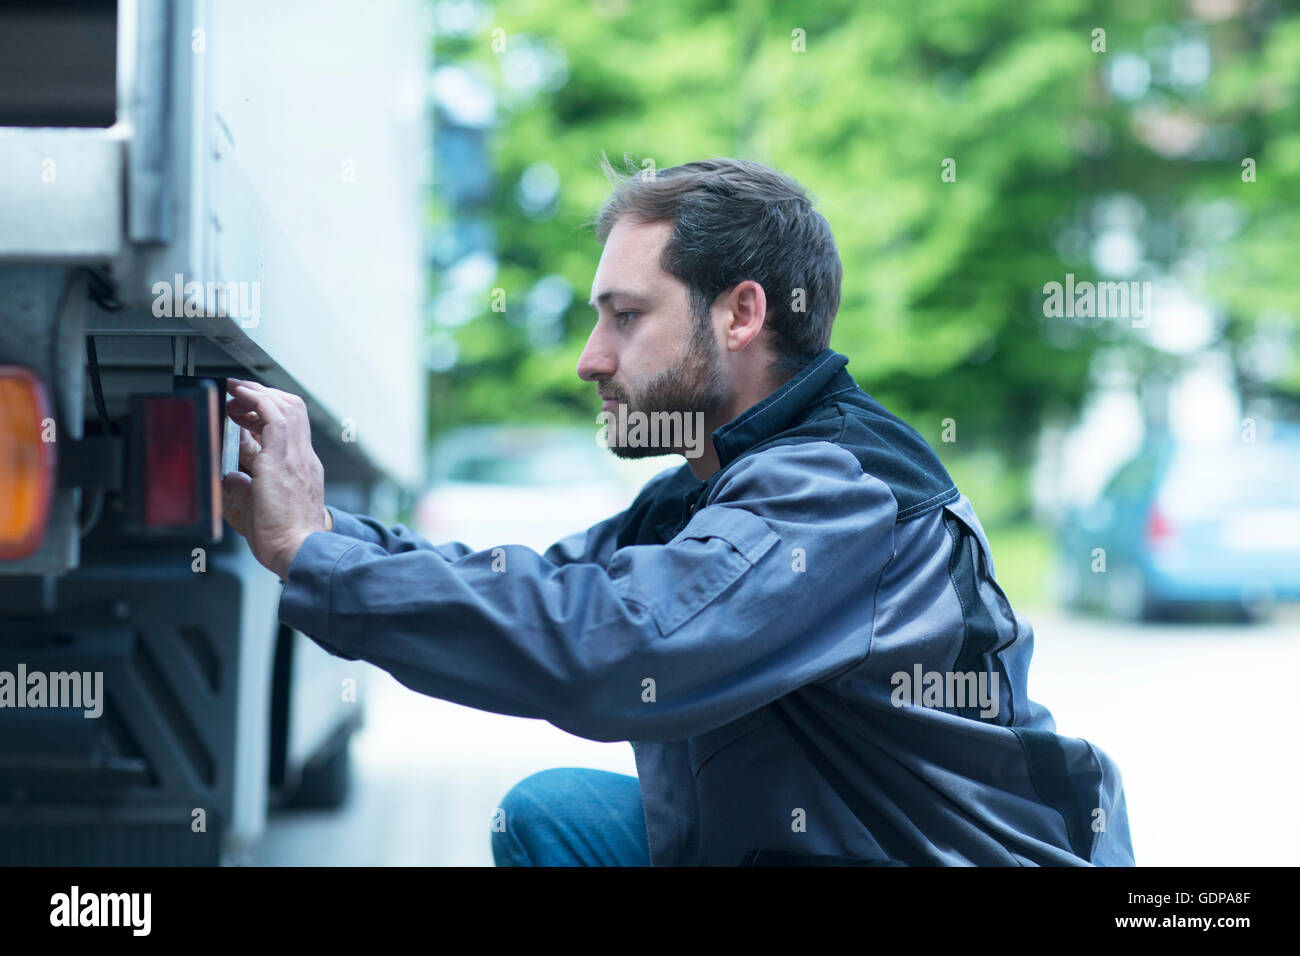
(597,361)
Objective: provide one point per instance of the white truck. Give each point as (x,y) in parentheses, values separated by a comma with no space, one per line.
(190,190)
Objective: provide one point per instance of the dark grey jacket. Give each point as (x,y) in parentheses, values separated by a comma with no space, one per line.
(808,651)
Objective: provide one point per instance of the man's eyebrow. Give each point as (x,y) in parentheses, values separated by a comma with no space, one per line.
(618,293)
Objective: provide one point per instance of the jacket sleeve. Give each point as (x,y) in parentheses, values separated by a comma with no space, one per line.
(588,545)
(595,544)
(395,540)
(770,586)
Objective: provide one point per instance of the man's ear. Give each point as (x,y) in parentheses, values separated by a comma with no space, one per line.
(746,306)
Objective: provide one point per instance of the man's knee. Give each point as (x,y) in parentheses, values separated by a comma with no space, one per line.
(571,816)
(527,813)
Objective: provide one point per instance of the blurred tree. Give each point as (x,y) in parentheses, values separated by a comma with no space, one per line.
(965,152)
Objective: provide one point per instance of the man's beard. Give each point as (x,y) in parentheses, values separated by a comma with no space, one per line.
(696,385)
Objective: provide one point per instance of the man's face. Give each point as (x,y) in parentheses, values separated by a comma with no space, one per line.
(647,350)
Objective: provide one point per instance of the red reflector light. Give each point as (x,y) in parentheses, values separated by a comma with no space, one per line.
(174,488)
(170,463)
(27,462)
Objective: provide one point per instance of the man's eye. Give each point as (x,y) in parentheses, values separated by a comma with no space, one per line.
(624,321)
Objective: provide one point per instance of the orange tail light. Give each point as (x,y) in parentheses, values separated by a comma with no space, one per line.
(27,462)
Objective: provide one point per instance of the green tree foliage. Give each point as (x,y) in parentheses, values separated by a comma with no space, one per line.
(867,105)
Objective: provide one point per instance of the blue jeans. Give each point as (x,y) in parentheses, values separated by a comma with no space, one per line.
(572,817)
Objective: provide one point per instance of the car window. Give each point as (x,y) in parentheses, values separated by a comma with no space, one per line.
(1207,480)
(1132,480)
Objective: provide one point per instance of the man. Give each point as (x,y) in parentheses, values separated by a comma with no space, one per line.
(798,629)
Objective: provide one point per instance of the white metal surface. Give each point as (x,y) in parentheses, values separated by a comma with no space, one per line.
(60,194)
(318,135)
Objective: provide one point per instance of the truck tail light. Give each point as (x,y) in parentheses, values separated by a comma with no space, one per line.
(171,495)
(27,462)
(175,485)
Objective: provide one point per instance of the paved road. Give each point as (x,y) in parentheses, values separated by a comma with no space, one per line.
(1201,720)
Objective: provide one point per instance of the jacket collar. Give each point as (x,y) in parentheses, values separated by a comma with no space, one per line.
(823,376)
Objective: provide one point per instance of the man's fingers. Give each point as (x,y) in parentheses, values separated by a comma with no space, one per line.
(254,397)
(244,417)
(291,406)
(240,410)
(248,449)
(287,403)
(235,490)
(278,422)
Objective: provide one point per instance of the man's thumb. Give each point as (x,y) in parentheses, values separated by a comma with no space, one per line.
(236,488)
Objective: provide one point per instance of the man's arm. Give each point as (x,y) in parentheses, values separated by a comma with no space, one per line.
(593,545)
(276,513)
(667,641)
(397,539)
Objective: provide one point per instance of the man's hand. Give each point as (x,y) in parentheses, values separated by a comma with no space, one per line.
(277,498)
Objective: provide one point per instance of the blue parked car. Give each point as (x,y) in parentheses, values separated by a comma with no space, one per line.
(1189,526)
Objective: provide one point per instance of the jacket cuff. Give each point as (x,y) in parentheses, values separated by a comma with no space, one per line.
(305,601)
(347,525)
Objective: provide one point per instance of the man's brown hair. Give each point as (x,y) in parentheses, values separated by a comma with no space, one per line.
(735,220)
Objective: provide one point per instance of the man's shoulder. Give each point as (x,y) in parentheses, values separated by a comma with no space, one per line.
(884,446)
